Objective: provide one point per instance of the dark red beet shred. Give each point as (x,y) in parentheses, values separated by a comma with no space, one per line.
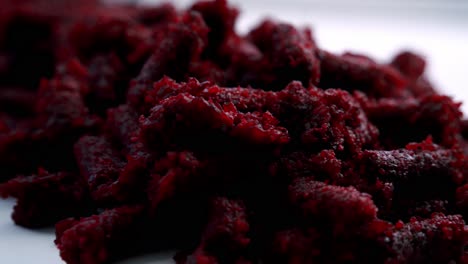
(137,129)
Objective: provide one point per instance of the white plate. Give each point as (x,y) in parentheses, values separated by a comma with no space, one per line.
(438,29)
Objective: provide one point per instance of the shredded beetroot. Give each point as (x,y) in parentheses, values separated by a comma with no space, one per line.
(138,129)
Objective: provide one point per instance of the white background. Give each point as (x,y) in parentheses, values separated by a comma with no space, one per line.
(436,28)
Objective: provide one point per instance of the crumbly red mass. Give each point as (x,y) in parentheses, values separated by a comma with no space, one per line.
(137,129)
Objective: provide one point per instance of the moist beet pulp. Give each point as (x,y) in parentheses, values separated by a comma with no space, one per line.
(140,129)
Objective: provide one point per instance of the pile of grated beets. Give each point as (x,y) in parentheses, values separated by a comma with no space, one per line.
(139,129)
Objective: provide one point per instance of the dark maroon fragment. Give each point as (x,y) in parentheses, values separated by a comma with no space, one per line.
(341,207)
(288,54)
(99,164)
(414,119)
(412,66)
(46,198)
(351,72)
(96,238)
(438,239)
(225,238)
